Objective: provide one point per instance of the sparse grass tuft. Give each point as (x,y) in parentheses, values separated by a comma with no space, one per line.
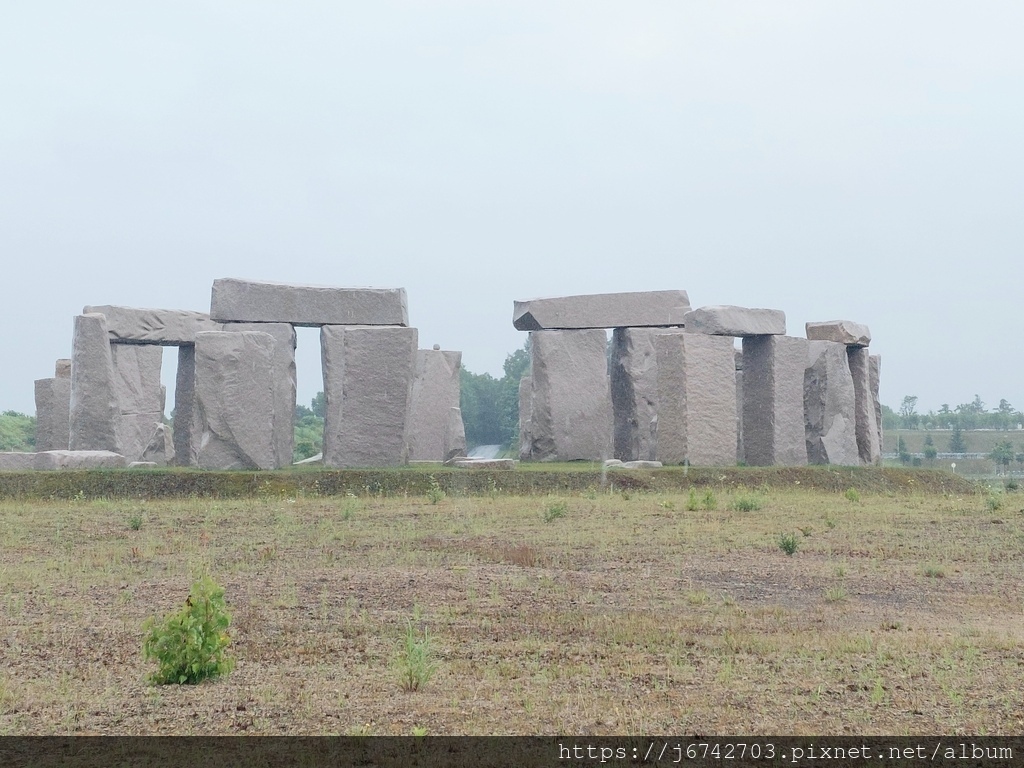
(746,504)
(135,522)
(415,661)
(788,543)
(434,493)
(852,495)
(994,502)
(932,571)
(836,594)
(555,511)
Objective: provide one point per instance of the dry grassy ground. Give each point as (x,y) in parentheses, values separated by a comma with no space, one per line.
(629,614)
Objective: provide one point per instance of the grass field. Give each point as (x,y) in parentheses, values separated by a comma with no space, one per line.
(590,613)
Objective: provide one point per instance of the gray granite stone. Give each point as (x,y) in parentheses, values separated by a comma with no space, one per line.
(571,414)
(840,331)
(739,406)
(160,450)
(139,396)
(306,305)
(94,409)
(284,383)
(636,465)
(435,392)
(187,426)
(773,400)
(633,373)
(368,378)
(62,369)
(17,461)
(235,400)
(875,376)
(53,414)
(696,399)
(79,460)
(829,406)
(869,445)
(525,415)
(735,321)
(455,434)
(602,310)
(465,463)
(165,327)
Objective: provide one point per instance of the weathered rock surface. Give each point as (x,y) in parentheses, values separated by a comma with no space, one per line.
(571,413)
(773,400)
(725,320)
(284,383)
(306,305)
(869,444)
(634,389)
(139,396)
(368,378)
(829,406)
(160,450)
(840,331)
(696,378)
(95,412)
(602,310)
(435,392)
(455,434)
(53,414)
(875,376)
(235,400)
(166,327)
(16,461)
(739,406)
(187,428)
(79,460)
(62,369)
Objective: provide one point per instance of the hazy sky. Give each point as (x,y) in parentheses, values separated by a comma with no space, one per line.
(857,160)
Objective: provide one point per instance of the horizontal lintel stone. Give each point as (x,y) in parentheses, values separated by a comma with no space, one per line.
(643,309)
(842,331)
(251,301)
(723,320)
(166,327)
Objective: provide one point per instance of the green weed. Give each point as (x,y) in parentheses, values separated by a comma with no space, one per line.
(555,511)
(852,495)
(415,663)
(788,543)
(746,504)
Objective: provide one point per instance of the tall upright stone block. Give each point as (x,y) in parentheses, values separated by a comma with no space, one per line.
(368,378)
(773,400)
(187,429)
(235,400)
(869,444)
(739,405)
(829,406)
(284,383)
(53,409)
(139,396)
(435,392)
(94,408)
(633,374)
(525,417)
(571,413)
(875,361)
(696,394)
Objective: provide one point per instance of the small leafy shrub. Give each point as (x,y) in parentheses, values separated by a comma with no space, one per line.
(993,502)
(835,594)
(434,493)
(191,645)
(415,663)
(934,572)
(709,503)
(788,543)
(555,511)
(1012,485)
(135,522)
(852,495)
(746,504)
(692,502)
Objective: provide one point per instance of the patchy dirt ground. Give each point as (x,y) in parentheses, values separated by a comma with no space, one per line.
(586,614)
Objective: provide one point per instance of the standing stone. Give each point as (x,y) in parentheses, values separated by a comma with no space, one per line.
(696,391)
(773,400)
(875,362)
(435,391)
(139,395)
(160,450)
(368,377)
(525,416)
(869,444)
(829,406)
(602,310)
(455,435)
(95,412)
(284,383)
(235,400)
(633,374)
(739,406)
(62,369)
(735,321)
(187,429)
(251,301)
(571,413)
(53,414)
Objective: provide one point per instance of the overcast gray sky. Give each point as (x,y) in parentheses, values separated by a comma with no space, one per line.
(857,160)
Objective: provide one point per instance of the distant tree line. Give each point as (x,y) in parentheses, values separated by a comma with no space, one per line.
(17,432)
(972,415)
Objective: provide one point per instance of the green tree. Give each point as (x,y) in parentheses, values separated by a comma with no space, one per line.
(1002,454)
(309,429)
(490,406)
(930,452)
(319,405)
(957,441)
(17,431)
(908,412)
(901,449)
